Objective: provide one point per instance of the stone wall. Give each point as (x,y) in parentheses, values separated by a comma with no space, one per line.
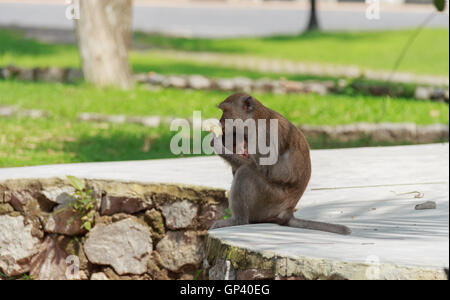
(141,231)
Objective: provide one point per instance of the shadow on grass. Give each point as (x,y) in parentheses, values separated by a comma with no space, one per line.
(14,41)
(121,146)
(184,68)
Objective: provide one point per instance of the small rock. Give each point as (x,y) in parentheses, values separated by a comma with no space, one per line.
(25,75)
(117,119)
(426,205)
(176,82)
(178,249)
(293,86)
(225,84)
(317,88)
(423,93)
(262,85)
(74,75)
(242,84)
(155,79)
(5,73)
(8,111)
(50,74)
(222,270)
(125,245)
(179,215)
(17,245)
(199,82)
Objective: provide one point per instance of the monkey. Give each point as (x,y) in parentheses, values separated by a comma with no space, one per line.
(266,193)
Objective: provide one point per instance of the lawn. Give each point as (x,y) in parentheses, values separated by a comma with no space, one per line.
(429,54)
(377,50)
(63,139)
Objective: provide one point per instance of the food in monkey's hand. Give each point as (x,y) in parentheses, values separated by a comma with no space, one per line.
(214,128)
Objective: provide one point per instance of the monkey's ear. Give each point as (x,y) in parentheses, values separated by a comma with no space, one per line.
(249,104)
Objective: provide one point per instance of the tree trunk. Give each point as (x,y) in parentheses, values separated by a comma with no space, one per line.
(313,20)
(104,32)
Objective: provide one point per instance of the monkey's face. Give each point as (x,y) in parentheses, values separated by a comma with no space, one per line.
(237,107)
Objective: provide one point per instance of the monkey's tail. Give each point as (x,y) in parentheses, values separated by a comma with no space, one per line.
(321,226)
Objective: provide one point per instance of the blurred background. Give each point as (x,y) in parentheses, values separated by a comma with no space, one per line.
(98,80)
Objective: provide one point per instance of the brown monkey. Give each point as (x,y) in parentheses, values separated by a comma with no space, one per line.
(266,193)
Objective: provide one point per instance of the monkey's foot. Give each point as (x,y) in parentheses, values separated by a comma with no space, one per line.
(222,223)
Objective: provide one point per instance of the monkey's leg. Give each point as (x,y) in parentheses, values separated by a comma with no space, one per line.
(314,225)
(242,192)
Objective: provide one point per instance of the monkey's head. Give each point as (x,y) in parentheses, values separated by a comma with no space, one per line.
(237,106)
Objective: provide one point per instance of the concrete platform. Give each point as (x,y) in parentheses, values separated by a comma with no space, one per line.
(372,190)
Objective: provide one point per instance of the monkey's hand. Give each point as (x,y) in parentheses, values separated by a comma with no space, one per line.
(236,160)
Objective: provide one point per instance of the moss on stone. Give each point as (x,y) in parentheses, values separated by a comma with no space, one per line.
(5,208)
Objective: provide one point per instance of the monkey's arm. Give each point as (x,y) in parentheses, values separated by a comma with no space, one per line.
(235,160)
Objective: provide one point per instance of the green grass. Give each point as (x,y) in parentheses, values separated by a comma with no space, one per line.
(63,139)
(67,101)
(377,50)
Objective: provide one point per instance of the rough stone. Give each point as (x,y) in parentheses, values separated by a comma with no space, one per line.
(179,214)
(17,245)
(178,249)
(50,262)
(125,245)
(156,222)
(426,205)
(64,221)
(124,203)
(222,270)
(26,202)
(99,276)
(209,214)
(59,195)
(254,274)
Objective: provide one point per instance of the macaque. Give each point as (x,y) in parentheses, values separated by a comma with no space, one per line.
(264,192)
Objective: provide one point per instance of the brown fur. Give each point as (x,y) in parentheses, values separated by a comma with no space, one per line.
(269,193)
